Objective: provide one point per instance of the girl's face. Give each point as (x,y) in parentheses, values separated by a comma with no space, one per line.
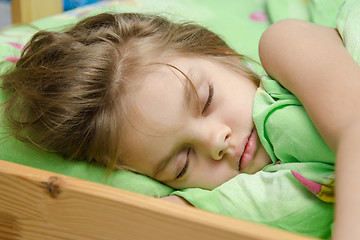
(185,141)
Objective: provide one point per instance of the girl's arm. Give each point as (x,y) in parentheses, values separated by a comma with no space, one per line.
(311,61)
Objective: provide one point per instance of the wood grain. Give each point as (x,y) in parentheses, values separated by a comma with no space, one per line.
(25,11)
(36,204)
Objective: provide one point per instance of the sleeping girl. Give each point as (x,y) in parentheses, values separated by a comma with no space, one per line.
(173,102)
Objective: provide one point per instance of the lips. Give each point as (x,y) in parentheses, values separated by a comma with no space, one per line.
(249,151)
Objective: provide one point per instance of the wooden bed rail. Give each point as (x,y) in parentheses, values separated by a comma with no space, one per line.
(36,204)
(25,11)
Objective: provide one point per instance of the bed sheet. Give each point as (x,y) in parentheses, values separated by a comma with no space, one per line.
(239,22)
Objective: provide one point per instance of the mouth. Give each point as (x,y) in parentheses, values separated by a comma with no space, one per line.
(249,151)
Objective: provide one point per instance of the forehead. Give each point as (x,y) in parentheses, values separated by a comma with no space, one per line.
(162,97)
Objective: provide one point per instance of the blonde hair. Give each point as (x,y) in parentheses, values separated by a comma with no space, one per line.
(68,91)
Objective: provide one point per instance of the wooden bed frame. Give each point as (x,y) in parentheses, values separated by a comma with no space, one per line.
(36,204)
(25,11)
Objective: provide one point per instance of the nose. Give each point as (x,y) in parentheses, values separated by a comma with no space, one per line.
(214,139)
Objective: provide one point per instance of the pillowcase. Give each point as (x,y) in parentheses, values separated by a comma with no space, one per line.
(238,22)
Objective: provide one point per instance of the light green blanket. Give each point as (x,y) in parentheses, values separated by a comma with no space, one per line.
(285,194)
(296,191)
(348,25)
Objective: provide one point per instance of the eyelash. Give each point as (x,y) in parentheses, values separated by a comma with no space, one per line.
(209,99)
(183,171)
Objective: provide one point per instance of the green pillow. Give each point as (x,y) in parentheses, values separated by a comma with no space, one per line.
(239,22)
(279,10)
(322,12)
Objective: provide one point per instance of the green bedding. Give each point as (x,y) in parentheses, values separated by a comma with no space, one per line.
(240,23)
(294,193)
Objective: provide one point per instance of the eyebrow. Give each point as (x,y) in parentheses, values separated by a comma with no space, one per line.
(165,161)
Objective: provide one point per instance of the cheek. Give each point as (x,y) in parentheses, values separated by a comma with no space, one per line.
(238,116)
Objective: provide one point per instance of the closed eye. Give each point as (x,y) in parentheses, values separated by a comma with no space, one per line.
(183,171)
(209,99)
